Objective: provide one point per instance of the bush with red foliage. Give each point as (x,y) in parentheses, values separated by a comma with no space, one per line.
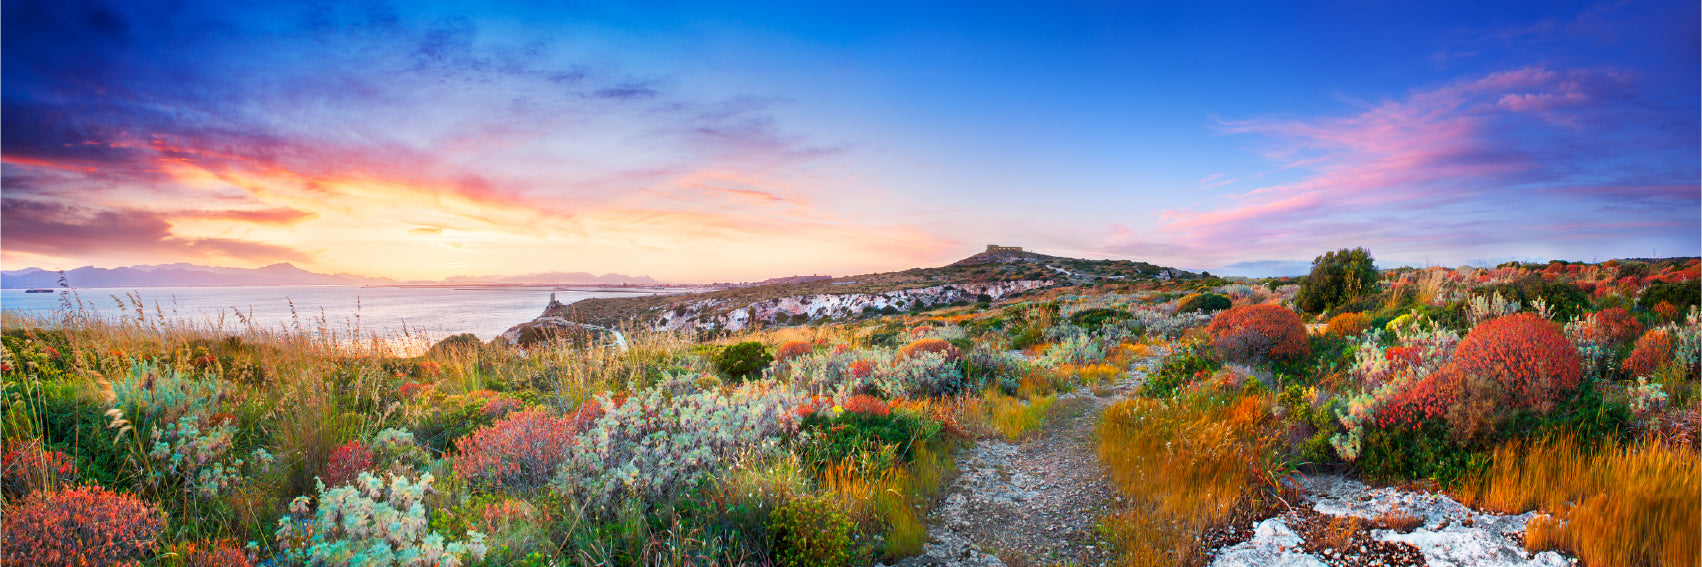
(81,526)
(950,351)
(222,553)
(411,389)
(861,369)
(1666,311)
(1652,351)
(1257,333)
(27,467)
(791,350)
(346,463)
(520,452)
(1529,360)
(1614,326)
(1425,400)
(865,404)
(501,405)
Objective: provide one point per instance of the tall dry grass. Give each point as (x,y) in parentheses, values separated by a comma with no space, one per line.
(888,500)
(1186,465)
(994,413)
(1637,504)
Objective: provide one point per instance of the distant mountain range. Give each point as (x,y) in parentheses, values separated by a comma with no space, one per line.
(191,275)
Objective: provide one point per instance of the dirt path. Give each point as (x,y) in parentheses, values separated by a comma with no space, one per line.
(1034,502)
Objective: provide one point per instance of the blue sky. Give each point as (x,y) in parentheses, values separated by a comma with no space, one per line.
(747,140)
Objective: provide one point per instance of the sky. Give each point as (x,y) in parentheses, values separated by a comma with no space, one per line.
(708,141)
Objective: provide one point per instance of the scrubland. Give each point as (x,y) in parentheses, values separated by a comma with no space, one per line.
(1570,389)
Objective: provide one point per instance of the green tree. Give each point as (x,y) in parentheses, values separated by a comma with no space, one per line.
(1336,278)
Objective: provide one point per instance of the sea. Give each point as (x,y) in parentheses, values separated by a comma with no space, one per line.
(403,316)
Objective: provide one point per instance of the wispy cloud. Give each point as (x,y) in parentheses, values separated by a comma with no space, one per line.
(373,134)
(1501,160)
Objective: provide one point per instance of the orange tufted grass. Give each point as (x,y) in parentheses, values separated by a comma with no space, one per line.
(1611,505)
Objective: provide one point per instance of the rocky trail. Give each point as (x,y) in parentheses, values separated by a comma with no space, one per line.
(1033,502)
(1037,502)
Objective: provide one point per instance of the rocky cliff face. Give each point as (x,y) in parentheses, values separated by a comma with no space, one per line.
(719,314)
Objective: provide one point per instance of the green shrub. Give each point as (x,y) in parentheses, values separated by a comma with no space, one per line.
(743,360)
(888,438)
(457,342)
(1178,370)
(1395,454)
(439,428)
(1337,278)
(75,425)
(1093,319)
(1027,336)
(1682,295)
(811,532)
(1204,303)
(1565,301)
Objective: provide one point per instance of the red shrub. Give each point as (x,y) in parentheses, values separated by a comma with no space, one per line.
(1259,332)
(500,405)
(1666,310)
(26,468)
(950,351)
(223,553)
(520,452)
(1425,400)
(1653,350)
(346,463)
(791,350)
(866,405)
(861,369)
(1527,357)
(81,526)
(411,389)
(1614,326)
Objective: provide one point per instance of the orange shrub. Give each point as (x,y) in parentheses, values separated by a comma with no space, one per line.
(1530,361)
(791,350)
(81,526)
(950,351)
(1349,324)
(518,453)
(1653,350)
(1259,332)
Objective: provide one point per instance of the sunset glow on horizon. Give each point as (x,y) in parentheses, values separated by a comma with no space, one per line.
(696,143)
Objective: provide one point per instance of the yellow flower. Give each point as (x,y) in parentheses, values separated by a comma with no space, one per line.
(837,409)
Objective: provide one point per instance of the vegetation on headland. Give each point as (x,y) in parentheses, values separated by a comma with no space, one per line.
(822,444)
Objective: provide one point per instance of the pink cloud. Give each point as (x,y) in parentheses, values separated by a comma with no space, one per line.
(1496,159)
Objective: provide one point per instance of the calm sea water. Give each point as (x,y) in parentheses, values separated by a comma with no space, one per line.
(433,313)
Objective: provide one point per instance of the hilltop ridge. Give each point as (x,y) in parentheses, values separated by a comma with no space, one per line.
(985,276)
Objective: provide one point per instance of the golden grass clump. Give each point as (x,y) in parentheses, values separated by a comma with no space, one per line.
(995,413)
(1094,374)
(885,501)
(1186,465)
(1612,504)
